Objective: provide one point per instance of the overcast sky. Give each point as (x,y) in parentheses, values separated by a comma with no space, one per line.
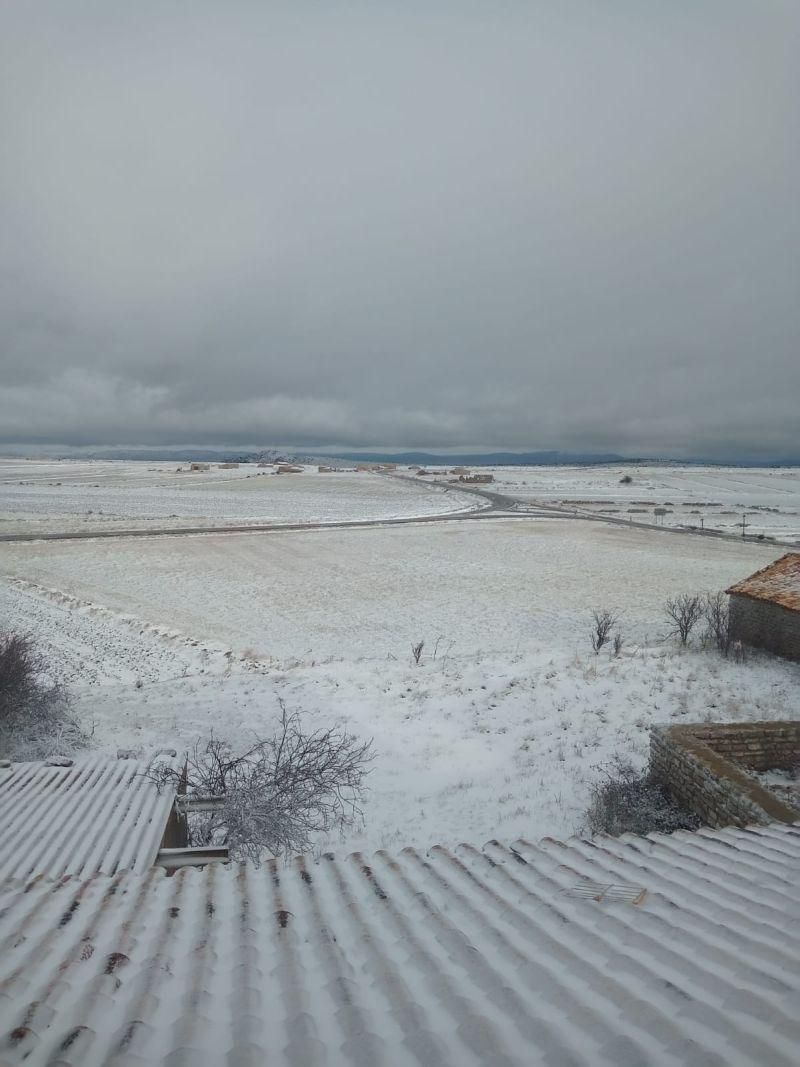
(502,225)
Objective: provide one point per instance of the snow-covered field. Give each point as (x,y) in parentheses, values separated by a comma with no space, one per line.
(39,496)
(499,585)
(714,497)
(501,728)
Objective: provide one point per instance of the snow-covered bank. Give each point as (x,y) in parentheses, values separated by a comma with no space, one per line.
(467,747)
(470,745)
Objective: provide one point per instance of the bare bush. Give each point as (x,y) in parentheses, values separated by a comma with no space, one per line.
(684,612)
(35,719)
(618,643)
(625,801)
(276,797)
(718,621)
(416,652)
(604,623)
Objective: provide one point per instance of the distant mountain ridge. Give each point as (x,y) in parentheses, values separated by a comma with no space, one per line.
(542,458)
(483,459)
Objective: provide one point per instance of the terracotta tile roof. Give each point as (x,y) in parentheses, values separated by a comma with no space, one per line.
(96,815)
(679,950)
(779,582)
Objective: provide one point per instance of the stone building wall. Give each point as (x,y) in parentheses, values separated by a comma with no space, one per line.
(702,779)
(764,624)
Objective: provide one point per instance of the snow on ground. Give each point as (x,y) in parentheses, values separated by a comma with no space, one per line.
(718,496)
(469,746)
(496,585)
(39,496)
(501,728)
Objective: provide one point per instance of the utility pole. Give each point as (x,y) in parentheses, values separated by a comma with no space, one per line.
(744,523)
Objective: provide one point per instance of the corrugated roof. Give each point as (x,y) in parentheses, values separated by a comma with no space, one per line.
(679,950)
(779,582)
(98,815)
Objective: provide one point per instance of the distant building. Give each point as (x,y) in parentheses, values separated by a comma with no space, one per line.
(288,468)
(765,608)
(322,469)
(200,466)
(477,479)
(227,466)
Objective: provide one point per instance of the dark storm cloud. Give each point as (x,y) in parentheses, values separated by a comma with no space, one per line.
(501,224)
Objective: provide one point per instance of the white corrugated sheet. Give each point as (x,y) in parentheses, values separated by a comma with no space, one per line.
(99,815)
(681,950)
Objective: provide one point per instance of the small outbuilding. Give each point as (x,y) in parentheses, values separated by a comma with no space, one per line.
(94,815)
(765,608)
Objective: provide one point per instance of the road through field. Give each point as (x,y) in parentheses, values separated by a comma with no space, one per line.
(498,506)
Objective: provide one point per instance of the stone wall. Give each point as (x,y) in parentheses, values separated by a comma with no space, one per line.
(758,746)
(762,624)
(690,761)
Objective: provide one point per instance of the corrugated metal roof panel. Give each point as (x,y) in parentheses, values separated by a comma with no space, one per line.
(98,815)
(779,582)
(465,957)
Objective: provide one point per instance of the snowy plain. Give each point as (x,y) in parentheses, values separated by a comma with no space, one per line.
(715,498)
(77,495)
(501,728)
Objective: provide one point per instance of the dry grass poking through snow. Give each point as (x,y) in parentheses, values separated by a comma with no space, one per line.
(470,747)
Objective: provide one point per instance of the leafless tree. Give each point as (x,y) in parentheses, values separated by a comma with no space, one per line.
(416,652)
(717,616)
(35,720)
(604,622)
(618,642)
(277,796)
(684,612)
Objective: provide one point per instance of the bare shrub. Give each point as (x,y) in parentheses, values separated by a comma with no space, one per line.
(625,801)
(277,796)
(717,616)
(604,623)
(35,719)
(416,652)
(684,612)
(618,643)
(625,479)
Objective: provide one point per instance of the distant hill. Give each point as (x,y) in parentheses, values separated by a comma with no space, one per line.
(188,455)
(168,455)
(482,459)
(550,457)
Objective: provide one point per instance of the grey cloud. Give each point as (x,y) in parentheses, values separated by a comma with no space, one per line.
(565,225)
